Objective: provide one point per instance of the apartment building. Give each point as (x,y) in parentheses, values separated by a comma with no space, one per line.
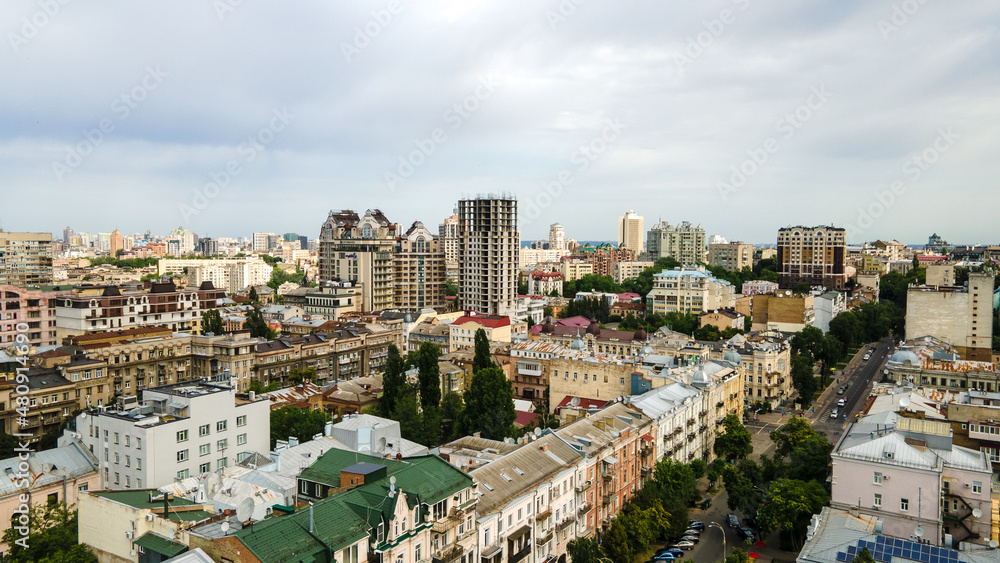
(733,256)
(826,306)
(353,351)
(25,258)
(462,331)
(604,257)
(694,290)
(758,287)
(333,299)
(683,242)
(33,309)
(52,397)
(97,309)
(630,232)
(419,509)
(575,268)
(489,243)
(528,505)
(933,363)
(961,316)
(763,362)
(812,255)
(448,240)
(910,475)
(174,432)
(592,338)
(543,283)
(230,274)
(628,269)
(360,249)
(783,311)
(419,270)
(722,319)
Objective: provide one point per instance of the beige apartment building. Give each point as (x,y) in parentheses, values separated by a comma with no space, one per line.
(628,269)
(694,290)
(630,231)
(812,255)
(784,311)
(575,269)
(360,249)
(960,316)
(684,242)
(733,256)
(419,270)
(448,241)
(25,258)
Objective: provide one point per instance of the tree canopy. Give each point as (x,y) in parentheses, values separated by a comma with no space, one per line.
(483,358)
(211,322)
(393,382)
(300,423)
(736,442)
(53,537)
(489,404)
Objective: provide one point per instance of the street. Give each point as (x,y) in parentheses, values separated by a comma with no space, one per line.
(860,375)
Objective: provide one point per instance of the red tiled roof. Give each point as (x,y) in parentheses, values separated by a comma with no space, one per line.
(490,321)
(525,418)
(628,296)
(646,437)
(585,403)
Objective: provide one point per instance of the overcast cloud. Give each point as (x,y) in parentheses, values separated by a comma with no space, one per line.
(312,105)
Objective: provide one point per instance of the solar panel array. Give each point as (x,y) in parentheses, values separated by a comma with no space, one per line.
(884,549)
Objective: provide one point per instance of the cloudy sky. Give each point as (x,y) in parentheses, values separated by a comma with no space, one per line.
(229,116)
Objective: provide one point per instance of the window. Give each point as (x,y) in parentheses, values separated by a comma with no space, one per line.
(117,479)
(138,483)
(128,461)
(204,468)
(241,420)
(127,439)
(182,436)
(904,504)
(138,464)
(977,487)
(220,426)
(878,478)
(222,444)
(128,482)
(223,462)
(241,439)
(204,449)
(117,459)
(183,474)
(182,455)
(203,430)
(138,443)
(83,487)
(878,500)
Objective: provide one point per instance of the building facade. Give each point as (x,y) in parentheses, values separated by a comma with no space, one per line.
(489,243)
(694,290)
(25,258)
(448,241)
(34,308)
(812,255)
(543,283)
(961,316)
(630,232)
(684,242)
(360,249)
(733,256)
(419,270)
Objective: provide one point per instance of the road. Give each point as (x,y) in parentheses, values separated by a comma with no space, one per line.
(860,375)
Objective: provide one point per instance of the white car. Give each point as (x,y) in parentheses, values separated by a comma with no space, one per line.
(834,412)
(684,545)
(840,403)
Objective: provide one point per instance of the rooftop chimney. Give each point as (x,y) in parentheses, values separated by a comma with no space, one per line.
(312,522)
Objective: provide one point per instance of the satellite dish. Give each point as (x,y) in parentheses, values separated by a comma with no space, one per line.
(392,480)
(993,544)
(904,402)
(976,513)
(245,510)
(225,527)
(538,431)
(83,415)
(919,532)
(574,402)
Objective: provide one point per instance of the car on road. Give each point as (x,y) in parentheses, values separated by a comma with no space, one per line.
(834,412)
(665,557)
(696,525)
(746,533)
(840,403)
(733,520)
(693,538)
(675,551)
(840,391)
(684,545)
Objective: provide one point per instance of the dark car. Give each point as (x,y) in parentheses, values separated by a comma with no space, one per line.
(696,525)
(733,520)
(676,552)
(746,532)
(691,538)
(665,557)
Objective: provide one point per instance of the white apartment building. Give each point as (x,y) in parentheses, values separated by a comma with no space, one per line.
(826,306)
(448,238)
(575,269)
(489,244)
(758,287)
(231,274)
(630,231)
(261,242)
(694,290)
(683,242)
(629,269)
(174,432)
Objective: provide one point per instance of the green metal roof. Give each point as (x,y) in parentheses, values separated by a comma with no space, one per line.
(140,499)
(160,544)
(344,518)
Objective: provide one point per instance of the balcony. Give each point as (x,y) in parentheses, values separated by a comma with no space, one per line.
(607,477)
(543,514)
(584,508)
(524,551)
(677,431)
(583,486)
(565,524)
(646,472)
(545,539)
(720,404)
(690,422)
(691,436)
(445,524)
(606,499)
(449,555)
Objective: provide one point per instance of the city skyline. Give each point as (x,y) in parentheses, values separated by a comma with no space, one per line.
(741,117)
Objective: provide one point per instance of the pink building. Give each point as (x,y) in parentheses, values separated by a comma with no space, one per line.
(34,307)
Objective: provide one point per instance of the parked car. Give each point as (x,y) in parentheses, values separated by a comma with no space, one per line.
(691,538)
(665,557)
(696,524)
(834,412)
(840,391)
(684,545)
(692,532)
(840,403)
(676,552)
(734,521)
(746,532)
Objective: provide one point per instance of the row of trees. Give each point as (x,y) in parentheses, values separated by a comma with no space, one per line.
(428,418)
(592,307)
(126,264)
(658,511)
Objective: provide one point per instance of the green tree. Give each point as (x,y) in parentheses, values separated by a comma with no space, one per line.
(257,326)
(584,550)
(677,480)
(698,467)
(252,296)
(801,288)
(298,376)
(393,382)
(427,357)
(489,404)
(847,328)
(450,289)
(615,543)
(407,414)
(452,410)
(300,423)
(809,460)
(809,341)
(791,435)
(743,486)
(738,556)
(53,537)
(8,445)
(483,358)
(736,442)
(865,556)
(791,504)
(803,379)
(211,322)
